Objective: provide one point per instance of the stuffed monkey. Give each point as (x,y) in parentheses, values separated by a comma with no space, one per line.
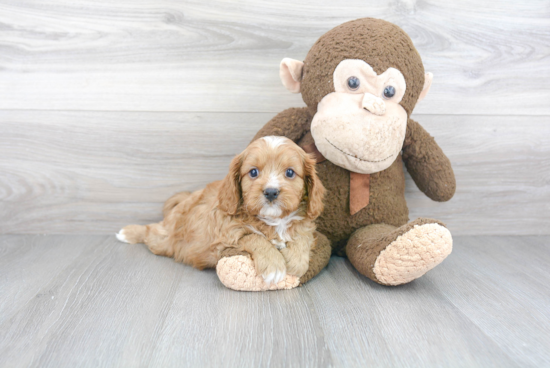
(360,82)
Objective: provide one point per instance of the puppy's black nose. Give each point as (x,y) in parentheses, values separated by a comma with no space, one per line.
(271,194)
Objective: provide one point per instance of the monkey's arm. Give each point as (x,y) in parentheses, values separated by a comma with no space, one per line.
(292,123)
(429,167)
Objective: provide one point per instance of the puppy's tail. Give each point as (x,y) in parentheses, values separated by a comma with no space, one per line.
(174,201)
(132,234)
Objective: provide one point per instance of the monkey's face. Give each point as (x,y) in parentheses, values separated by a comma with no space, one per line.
(361,126)
(362,80)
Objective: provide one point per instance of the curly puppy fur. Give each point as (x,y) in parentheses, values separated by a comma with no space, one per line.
(237,213)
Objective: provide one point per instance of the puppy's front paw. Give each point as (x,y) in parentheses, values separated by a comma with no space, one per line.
(297,268)
(274,276)
(297,264)
(271,267)
(239,273)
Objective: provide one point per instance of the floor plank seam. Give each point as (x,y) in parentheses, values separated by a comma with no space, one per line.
(434,285)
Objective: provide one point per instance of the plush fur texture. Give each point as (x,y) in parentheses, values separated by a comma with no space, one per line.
(393,256)
(400,262)
(379,43)
(365,235)
(236,213)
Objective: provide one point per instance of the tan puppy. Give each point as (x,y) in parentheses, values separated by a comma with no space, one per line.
(265,206)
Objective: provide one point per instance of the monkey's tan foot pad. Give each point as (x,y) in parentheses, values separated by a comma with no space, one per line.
(413,254)
(238,273)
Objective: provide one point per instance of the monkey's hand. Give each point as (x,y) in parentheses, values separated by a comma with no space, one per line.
(429,167)
(292,123)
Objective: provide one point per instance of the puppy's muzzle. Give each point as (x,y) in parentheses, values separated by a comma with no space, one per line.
(271,194)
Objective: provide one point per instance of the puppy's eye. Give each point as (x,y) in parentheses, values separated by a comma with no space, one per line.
(290,173)
(253,173)
(353,83)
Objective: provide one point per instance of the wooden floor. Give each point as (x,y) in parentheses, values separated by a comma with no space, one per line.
(74,300)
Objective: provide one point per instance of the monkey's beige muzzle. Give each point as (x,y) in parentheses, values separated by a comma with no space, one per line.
(373,104)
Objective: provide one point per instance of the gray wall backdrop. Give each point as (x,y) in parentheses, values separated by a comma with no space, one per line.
(109,107)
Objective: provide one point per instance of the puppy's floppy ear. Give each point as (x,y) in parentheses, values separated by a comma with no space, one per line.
(314,187)
(229,196)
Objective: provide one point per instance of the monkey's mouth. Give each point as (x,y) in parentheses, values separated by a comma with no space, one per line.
(355,156)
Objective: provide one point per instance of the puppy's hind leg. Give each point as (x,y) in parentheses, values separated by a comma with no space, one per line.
(173,201)
(154,236)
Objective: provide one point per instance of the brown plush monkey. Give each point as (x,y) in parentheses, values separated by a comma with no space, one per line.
(360,82)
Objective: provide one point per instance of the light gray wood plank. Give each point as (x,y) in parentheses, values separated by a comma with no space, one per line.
(412,325)
(502,168)
(94,311)
(119,305)
(490,280)
(72,169)
(278,329)
(528,255)
(488,57)
(94,172)
(28,263)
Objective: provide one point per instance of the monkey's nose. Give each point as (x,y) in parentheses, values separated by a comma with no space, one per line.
(271,194)
(375,105)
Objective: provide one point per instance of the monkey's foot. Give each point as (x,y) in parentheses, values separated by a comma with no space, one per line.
(413,254)
(238,273)
(395,256)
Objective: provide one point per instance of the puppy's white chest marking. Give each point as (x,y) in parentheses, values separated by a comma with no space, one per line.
(279,244)
(281,226)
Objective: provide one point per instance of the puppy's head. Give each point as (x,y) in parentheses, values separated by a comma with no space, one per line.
(271,178)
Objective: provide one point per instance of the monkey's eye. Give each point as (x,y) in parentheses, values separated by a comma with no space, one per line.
(353,83)
(290,173)
(389,92)
(253,173)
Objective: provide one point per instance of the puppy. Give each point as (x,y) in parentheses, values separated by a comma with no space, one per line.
(265,206)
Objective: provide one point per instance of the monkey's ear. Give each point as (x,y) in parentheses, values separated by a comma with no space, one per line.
(427,84)
(291,74)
